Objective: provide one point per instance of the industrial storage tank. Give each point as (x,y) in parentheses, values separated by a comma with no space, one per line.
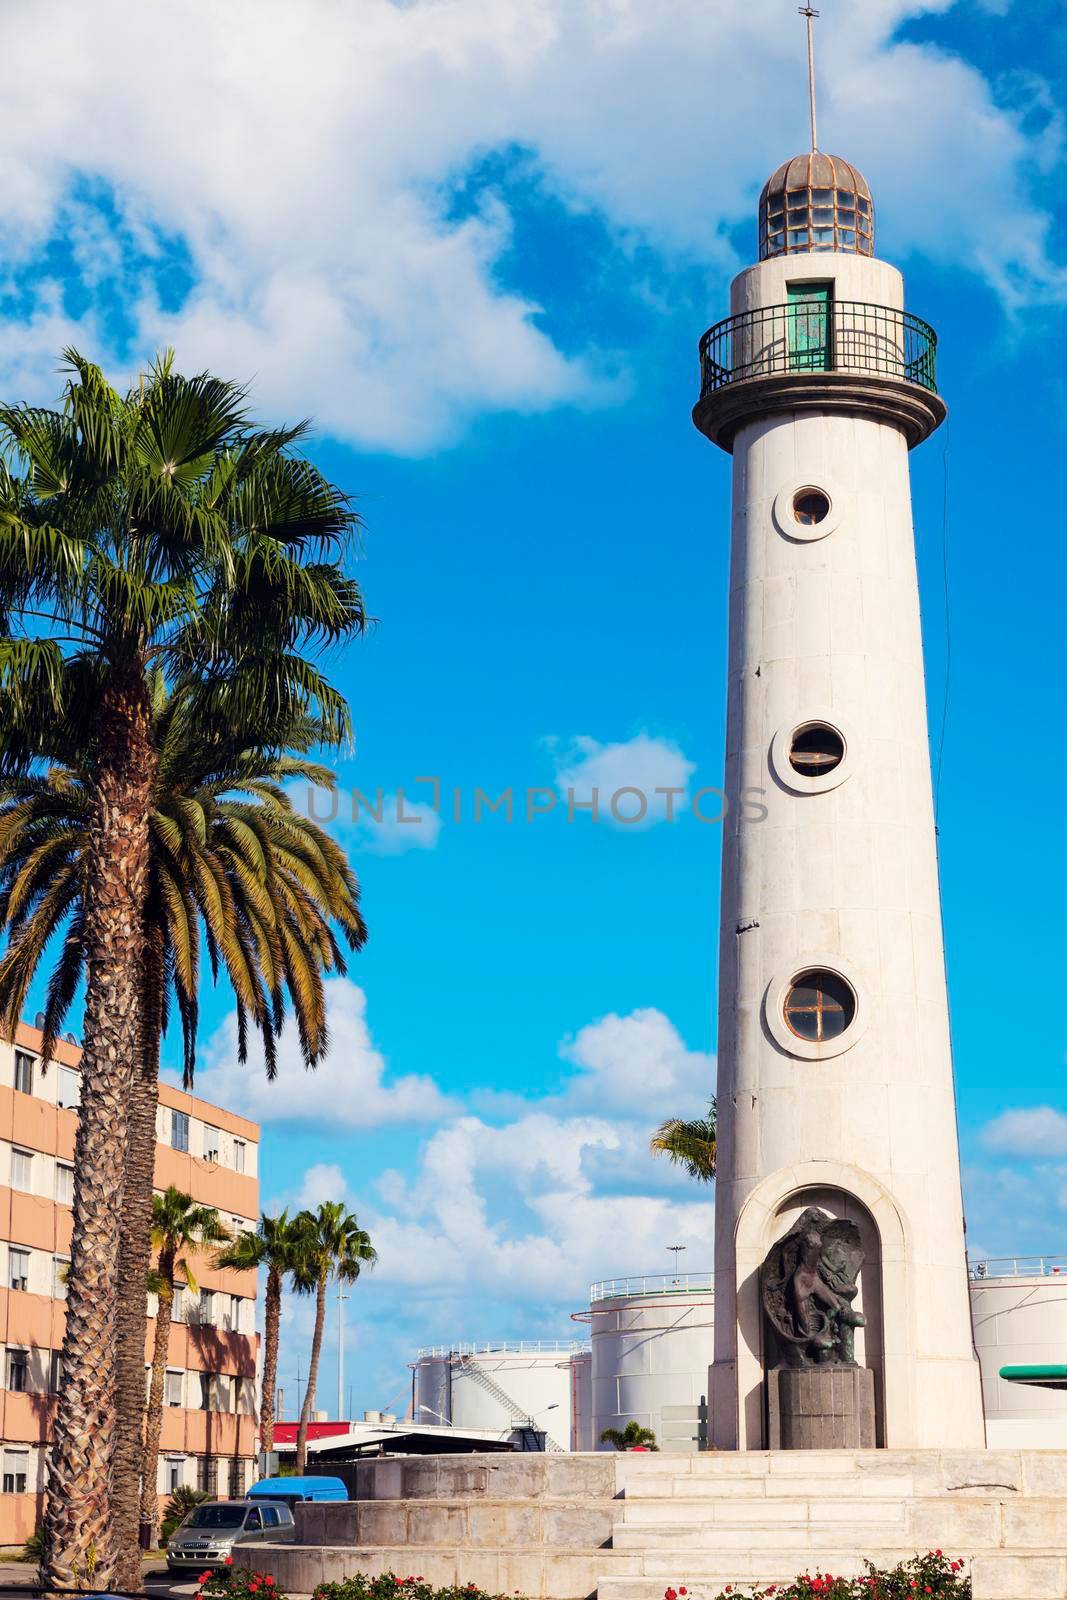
(1019,1316)
(520,1389)
(651,1349)
(582,1400)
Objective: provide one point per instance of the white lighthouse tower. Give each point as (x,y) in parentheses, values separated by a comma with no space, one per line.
(835,1084)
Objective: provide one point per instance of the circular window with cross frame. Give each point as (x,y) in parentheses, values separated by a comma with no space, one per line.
(814,1009)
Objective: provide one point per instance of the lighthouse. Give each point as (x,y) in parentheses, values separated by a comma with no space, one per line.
(835,1083)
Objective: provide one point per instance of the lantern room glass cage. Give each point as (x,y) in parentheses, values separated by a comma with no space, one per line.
(816,202)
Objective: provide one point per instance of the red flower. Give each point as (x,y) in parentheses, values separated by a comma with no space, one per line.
(670,1594)
(204,1576)
(268,1580)
(229,1561)
(682,1590)
(928,1590)
(936,1553)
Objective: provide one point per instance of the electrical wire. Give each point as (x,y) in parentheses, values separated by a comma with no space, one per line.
(948,627)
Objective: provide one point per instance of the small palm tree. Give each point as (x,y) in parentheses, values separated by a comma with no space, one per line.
(631,1436)
(327,1244)
(178,1225)
(271,1246)
(183,1500)
(690,1145)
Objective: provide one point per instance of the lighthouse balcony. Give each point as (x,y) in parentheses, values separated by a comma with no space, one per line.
(836,355)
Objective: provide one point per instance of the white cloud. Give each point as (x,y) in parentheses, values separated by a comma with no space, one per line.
(1038,1133)
(350,1089)
(307,176)
(513,1211)
(321,1182)
(638,1063)
(622,779)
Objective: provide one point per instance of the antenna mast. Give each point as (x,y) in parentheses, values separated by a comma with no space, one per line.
(809,15)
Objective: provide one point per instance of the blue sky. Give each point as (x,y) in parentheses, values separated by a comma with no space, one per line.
(477,240)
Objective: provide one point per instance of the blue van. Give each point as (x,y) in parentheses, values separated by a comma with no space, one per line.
(295,1491)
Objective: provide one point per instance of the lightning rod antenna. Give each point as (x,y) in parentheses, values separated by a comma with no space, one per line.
(809,14)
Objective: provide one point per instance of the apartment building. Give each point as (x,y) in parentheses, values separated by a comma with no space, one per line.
(209,1422)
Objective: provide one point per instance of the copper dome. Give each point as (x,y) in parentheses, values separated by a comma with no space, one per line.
(816,202)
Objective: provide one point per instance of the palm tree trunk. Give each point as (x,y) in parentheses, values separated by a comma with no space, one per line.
(272,1316)
(77,1524)
(313,1377)
(129,1530)
(154,1416)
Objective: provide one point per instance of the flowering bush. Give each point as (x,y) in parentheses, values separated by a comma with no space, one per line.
(238,1583)
(389,1587)
(932,1574)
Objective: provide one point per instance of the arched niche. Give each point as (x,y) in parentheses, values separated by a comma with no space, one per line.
(887,1342)
(869,1339)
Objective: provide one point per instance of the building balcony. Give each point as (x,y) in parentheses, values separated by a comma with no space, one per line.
(838,355)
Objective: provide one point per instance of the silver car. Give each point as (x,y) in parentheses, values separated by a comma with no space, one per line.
(219,1529)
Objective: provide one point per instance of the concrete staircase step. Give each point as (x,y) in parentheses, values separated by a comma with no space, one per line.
(752,1487)
(648,1515)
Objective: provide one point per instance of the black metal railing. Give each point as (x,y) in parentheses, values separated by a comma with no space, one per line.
(818,336)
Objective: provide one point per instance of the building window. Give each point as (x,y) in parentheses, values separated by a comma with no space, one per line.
(819,1005)
(207,1474)
(228,1313)
(55,1372)
(16,1471)
(69,1089)
(173,1387)
(17,1371)
(237,1477)
(22,1170)
(207,1380)
(810,506)
(64,1184)
(23,1072)
(179,1130)
(60,1269)
(18,1268)
(177,1305)
(238,1155)
(211,1144)
(205,1311)
(173,1470)
(816,749)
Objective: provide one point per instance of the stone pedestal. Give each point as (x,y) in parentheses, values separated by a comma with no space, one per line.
(820,1408)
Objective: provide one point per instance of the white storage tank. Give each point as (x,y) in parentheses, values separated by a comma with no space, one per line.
(651,1349)
(1019,1315)
(582,1401)
(518,1388)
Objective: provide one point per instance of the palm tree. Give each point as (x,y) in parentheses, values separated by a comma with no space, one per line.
(271,1246)
(156,528)
(627,1438)
(178,1225)
(327,1244)
(224,834)
(690,1145)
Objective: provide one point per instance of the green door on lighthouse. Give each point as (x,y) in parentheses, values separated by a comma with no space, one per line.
(808,319)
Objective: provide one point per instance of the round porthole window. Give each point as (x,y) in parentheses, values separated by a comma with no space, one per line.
(819,1005)
(804,511)
(810,507)
(816,749)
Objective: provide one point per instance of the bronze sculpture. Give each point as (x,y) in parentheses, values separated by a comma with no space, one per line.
(807,1286)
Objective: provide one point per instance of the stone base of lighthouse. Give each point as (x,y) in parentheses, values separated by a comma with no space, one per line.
(626,1526)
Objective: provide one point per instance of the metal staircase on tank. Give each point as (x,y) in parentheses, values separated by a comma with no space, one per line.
(516,1415)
